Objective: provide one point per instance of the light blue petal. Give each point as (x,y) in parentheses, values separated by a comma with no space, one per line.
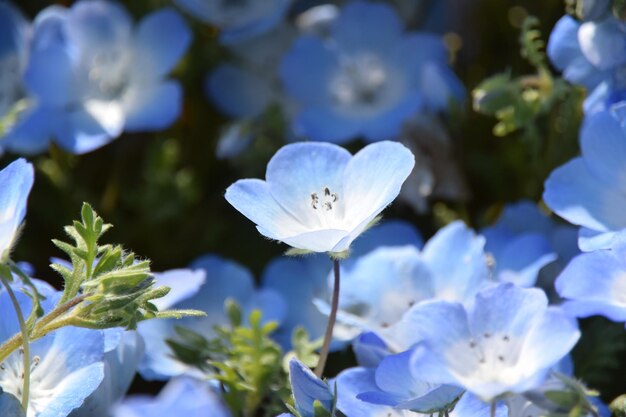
(79,132)
(276,14)
(439,86)
(603,145)
(16,181)
(297,170)
(33,131)
(99,24)
(549,340)
(354,381)
(306,71)
(50,76)
(307,388)
(521,260)
(461,279)
(271,304)
(352,29)
(161,39)
(590,240)
(253,199)
(369,349)
(373,178)
(582,199)
(592,284)
(9,405)
(603,43)
(471,406)
(152,107)
(388,124)
(237,92)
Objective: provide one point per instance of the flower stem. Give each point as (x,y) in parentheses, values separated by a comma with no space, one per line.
(493,408)
(25,346)
(328,336)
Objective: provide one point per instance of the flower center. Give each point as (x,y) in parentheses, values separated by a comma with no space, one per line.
(360,81)
(493,352)
(325,200)
(108,73)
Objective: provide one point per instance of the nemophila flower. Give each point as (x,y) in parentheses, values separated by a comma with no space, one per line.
(452,266)
(317,197)
(301,280)
(66,365)
(92,75)
(589,191)
(205,287)
(14,38)
(594,283)
(238,20)
(522,242)
(16,180)
(180,397)
(10,406)
(359,82)
(505,342)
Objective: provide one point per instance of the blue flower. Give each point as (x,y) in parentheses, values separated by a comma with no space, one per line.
(589,191)
(14,38)
(452,266)
(94,75)
(318,197)
(206,286)
(362,82)
(301,280)
(506,342)
(16,180)
(66,365)
(180,397)
(594,283)
(238,20)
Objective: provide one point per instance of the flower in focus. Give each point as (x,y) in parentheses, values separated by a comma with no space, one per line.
(364,82)
(93,75)
(318,197)
(16,180)
(506,342)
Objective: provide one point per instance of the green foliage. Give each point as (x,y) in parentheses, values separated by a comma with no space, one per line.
(116,286)
(243,358)
(303,348)
(571,401)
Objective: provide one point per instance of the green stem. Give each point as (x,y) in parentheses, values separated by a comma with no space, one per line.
(25,345)
(328,336)
(493,408)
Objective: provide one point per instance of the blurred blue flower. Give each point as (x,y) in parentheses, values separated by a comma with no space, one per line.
(15,32)
(362,82)
(93,75)
(16,180)
(238,20)
(180,397)
(594,283)
(318,197)
(301,280)
(66,365)
(589,191)
(505,342)
(206,286)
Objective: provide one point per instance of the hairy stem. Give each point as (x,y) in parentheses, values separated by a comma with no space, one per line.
(328,336)
(25,345)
